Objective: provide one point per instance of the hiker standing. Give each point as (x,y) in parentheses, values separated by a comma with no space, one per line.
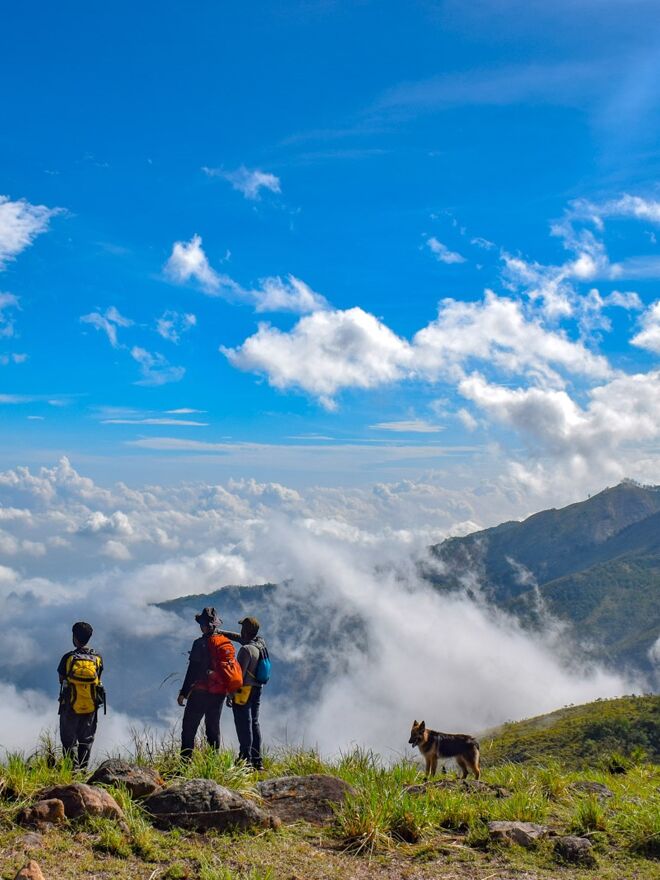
(81,695)
(255,666)
(212,674)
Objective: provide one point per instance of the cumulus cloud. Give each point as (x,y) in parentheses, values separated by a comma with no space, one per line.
(624,410)
(649,336)
(108,322)
(442,252)
(249,182)
(332,350)
(325,352)
(8,302)
(273,294)
(188,261)
(20,223)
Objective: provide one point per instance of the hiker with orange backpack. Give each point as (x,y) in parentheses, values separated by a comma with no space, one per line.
(212,674)
(81,695)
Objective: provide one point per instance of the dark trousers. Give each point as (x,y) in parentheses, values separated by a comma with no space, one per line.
(77,730)
(201,704)
(246,719)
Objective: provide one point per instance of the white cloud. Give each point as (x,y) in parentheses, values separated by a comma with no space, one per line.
(156,370)
(20,224)
(250,182)
(187,261)
(184,411)
(171,325)
(7,302)
(625,410)
(287,295)
(332,350)
(442,252)
(108,323)
(155,421)
(649,336)
(325,352)
(413,426)
(273,294)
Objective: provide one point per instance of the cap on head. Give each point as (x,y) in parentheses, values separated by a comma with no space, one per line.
(250,625)
(208,617)
(82,632)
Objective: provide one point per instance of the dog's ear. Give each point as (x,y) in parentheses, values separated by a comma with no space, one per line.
(415,723)
(422,725)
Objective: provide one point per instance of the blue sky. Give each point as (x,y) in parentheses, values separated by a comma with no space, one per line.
(255,240)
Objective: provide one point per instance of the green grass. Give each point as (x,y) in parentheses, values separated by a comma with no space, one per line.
(382,824)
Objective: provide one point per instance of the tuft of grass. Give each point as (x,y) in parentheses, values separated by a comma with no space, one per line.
(552,782)
(294,762)
(589,816)
(522,806)
(141,833)
(109,838)
(639,825)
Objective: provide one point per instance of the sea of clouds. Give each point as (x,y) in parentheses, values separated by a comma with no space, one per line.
(73,549)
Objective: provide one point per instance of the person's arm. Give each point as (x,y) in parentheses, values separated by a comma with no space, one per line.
(61,668)
(235,637)
(193,672)
(100,669)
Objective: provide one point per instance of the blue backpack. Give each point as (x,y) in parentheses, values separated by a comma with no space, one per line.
(263,669)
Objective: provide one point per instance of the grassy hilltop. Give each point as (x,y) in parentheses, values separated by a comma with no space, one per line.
(384,831)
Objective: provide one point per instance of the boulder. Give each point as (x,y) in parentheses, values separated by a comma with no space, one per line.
(140,781)
(522,833)
(31,871)
(80,799)
(304,798)
(199,804)
(586,786)
(471,785)
(575,851)
(49,811)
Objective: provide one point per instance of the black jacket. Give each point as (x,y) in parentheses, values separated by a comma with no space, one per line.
(198,664)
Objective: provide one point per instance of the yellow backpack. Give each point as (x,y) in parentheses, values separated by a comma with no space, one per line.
(83,680)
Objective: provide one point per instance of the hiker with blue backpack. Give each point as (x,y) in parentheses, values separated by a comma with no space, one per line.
(255,664)
(81,695)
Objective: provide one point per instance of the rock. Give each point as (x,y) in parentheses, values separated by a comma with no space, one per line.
(31,840)
(31,871)
(304,798)
(84,800)
(589,787)
(200,804)
(140,781)
(522,833)
(472,785)
(49,811)
(575,850)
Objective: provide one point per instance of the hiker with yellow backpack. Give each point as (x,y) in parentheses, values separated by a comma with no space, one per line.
(81,695)
(212,674)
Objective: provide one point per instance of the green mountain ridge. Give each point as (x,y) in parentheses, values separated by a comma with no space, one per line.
(594,564)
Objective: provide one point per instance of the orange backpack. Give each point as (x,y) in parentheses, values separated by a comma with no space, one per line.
(226,676)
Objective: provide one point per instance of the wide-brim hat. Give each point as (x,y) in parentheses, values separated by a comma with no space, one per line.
(208,617)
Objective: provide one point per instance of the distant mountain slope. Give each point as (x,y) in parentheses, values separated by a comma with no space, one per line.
(578,735)
(596,565)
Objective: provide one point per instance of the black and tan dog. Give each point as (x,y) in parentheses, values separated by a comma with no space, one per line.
(433,745)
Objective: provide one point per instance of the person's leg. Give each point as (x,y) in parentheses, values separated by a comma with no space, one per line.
(86,734)
(192,715)
(243,731)
(68,732)
(212,714)
(255,752)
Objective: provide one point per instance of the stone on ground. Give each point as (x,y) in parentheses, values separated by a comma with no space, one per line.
(304,798)
(80,799)
(140,781)
(45,812)
(589,787)
(199,804)
(575,850)
(31,871)
(522,833)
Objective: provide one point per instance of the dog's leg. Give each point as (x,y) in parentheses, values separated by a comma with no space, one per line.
(476,767)
(428,759)
(460,760)
(434,764)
